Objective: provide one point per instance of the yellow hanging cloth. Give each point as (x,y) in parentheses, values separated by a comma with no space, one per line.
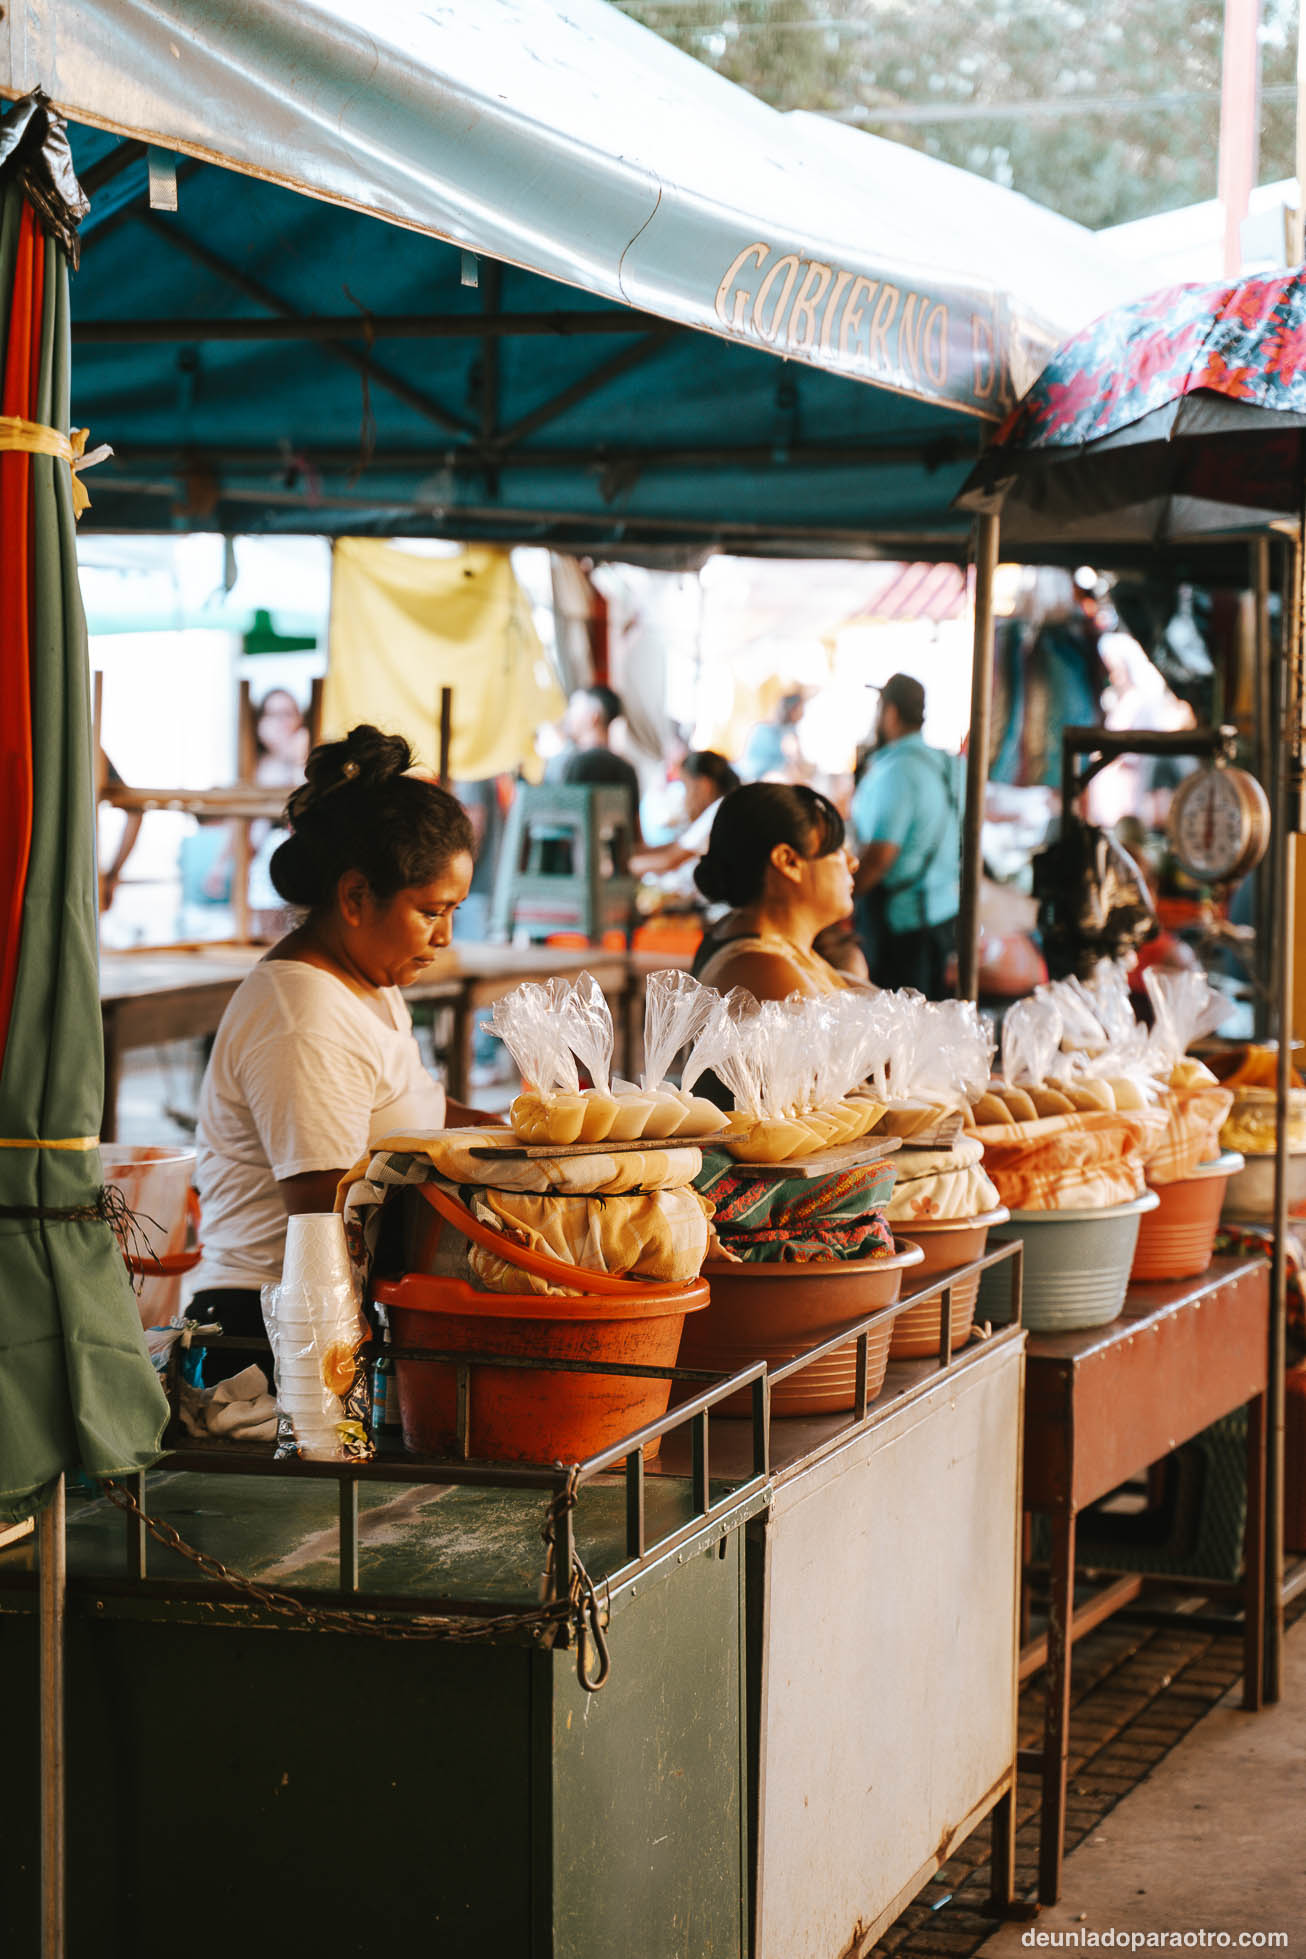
(403,626)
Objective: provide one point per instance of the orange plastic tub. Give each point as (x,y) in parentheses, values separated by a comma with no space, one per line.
(523,1414)
(946,1243)
(1176,1240)
(776,1312)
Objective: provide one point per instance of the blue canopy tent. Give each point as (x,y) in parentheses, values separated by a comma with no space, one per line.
(566,333)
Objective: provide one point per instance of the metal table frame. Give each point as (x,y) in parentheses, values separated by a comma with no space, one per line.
(1103,1405)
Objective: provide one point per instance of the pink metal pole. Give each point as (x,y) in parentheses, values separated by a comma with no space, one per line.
(1239,119)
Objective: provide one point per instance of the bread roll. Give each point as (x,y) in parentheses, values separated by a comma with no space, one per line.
(666,1114)
(989,1109)
(1189,1072)
(1127,1092)
(631,1114)
(548,1118)
(1019,1105)
(1090,1095)
(600,1114)
(773,1140)
(703,1118)
(1050,1101)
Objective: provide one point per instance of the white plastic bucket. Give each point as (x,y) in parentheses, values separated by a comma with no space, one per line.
(155,1182)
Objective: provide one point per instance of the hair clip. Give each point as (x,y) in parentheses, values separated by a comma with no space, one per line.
(349,773)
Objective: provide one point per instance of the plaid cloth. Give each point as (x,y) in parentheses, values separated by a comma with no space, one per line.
(635,1214)
(1194,1117)
(1070,1163)
(941,1184)
(771,1219)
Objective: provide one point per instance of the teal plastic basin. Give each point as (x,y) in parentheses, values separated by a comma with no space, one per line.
(1076,1266)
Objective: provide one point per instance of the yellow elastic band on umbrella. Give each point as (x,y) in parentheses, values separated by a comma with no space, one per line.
(52,1143)
(36,439)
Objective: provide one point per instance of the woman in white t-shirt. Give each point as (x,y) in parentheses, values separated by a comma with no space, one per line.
(707,777)
(315,1058)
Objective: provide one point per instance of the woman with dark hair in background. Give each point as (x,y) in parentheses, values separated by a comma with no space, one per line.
(707,777)
(777,857)
(315,1058)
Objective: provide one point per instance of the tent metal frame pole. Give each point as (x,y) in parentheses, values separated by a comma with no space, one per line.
(1265,736)
(52,1555)
(977,760)
(1287,806)
(565,323)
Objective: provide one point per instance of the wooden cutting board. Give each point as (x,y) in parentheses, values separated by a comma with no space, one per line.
(513,1148)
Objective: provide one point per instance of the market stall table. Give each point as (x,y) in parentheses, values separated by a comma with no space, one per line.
(1101,1406)
(181,993)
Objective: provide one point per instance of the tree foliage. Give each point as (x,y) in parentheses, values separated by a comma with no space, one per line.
(1104,110)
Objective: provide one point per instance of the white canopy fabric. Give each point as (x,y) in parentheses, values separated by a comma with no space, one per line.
(573,142)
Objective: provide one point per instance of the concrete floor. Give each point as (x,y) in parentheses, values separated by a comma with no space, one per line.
(1213,1840)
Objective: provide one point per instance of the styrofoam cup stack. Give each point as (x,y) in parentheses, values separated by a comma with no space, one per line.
(314,1309)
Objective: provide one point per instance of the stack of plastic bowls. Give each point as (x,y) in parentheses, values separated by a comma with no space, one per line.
(314,1327)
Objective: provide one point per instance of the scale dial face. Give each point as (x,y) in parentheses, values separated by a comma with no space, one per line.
(1219,824)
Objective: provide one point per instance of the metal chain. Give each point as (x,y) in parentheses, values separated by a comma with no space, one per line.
(579,1609)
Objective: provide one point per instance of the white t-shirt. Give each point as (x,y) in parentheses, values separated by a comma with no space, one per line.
(679,883)
(304,1075)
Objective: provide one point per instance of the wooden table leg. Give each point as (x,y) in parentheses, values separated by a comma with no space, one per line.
(457,1068)
(1254,1560)
(1002,1854)
(1056,1720)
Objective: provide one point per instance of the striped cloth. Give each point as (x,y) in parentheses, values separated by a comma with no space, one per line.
(1192,1132)
(1070,1163)
(772,1219)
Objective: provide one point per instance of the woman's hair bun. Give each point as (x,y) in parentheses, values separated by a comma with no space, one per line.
(709,879)
(366,756)
(361,808)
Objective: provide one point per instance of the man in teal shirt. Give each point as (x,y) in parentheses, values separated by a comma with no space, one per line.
(906,816)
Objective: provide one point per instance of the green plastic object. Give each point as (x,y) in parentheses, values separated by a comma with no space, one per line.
(1076,1266)
(262,637)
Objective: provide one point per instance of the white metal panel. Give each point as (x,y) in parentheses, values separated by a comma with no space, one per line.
(890,1708)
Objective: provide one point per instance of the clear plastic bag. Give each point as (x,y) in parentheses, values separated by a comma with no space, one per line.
(1185,1008)
(677,1008)
(531,1026)
(1031,1038)
(586,1020)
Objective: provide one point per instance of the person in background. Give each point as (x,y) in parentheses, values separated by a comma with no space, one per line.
(591,758)
(772,746)
(707,778)
(485,802)
(662,809)
(314,1059)
(281,750)
(778,858)
(907,816)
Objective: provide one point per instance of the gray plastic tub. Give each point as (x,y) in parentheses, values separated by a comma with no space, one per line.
(1076,1267)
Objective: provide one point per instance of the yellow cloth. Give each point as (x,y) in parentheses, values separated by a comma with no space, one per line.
(36,439)
(941,1184)
(657,1235)
(403,627)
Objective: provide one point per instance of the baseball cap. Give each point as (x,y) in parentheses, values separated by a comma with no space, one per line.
(907,695)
